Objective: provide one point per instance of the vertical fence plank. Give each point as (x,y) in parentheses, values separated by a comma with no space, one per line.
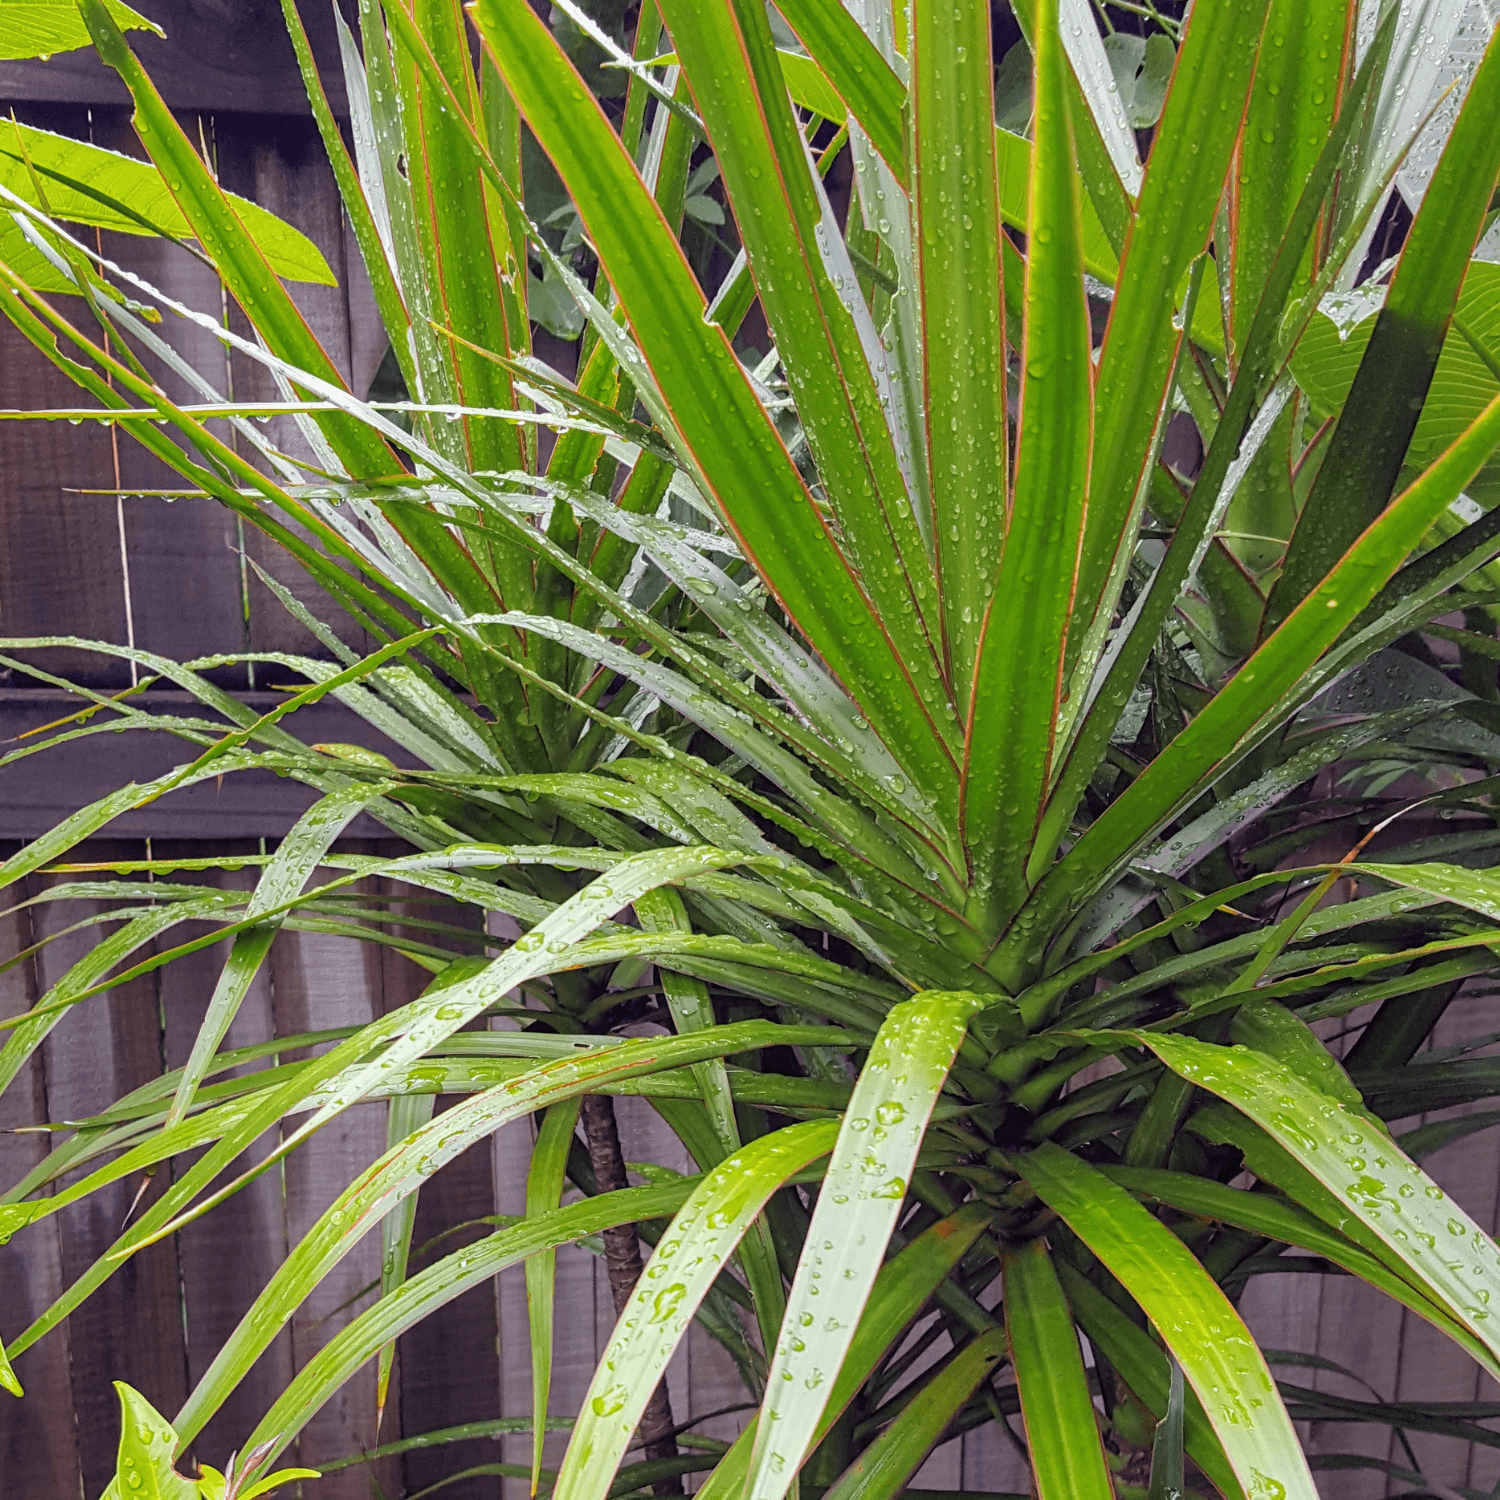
(323,981)
(943,1469)
(38,1439)
(713,1383)
(247,1231)
(450,1364)
(1362,1330)
(992,1462)
(66,576)
(450,1368)
(173,582)
(131,1328)
(182,572)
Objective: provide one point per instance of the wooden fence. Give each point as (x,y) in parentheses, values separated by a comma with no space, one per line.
(169,579)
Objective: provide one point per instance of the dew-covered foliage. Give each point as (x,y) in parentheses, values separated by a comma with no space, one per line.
(933,577)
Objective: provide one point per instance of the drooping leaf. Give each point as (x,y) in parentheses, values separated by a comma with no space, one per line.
(682,1267)
(863,1190)
(1145,1369)
(1420,1228)
(903,1284)
(293,863)
(406,1114)
(1195,1320)
(444,1281)
(401,1172)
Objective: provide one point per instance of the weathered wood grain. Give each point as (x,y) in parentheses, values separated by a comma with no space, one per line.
(250,68)
(450,1363)
(38,1436)
(247,1231)
(131,1328)
(168,576)
(321,981)
(60,565)
(40,791)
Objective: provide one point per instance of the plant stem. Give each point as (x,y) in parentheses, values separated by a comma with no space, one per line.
(622,1259)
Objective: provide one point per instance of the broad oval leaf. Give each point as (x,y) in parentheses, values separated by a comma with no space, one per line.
(87,184)
(147,1447)
(40,28)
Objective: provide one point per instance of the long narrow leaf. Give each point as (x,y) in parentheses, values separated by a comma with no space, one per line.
(904,1284)
(295,859)
(854,66)
(882,1471)
(1062,1433)
(750,474)
(546,1178)
(1190,160)
(956,222)
(245,269)
(361,1206)
(1013,710)
(681,1269)
(407,1113)
(1443,1250)
(862,1195)
(1143,1366)
(1195,1319)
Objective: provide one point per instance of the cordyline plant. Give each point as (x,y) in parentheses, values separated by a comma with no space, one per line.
(927,722)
